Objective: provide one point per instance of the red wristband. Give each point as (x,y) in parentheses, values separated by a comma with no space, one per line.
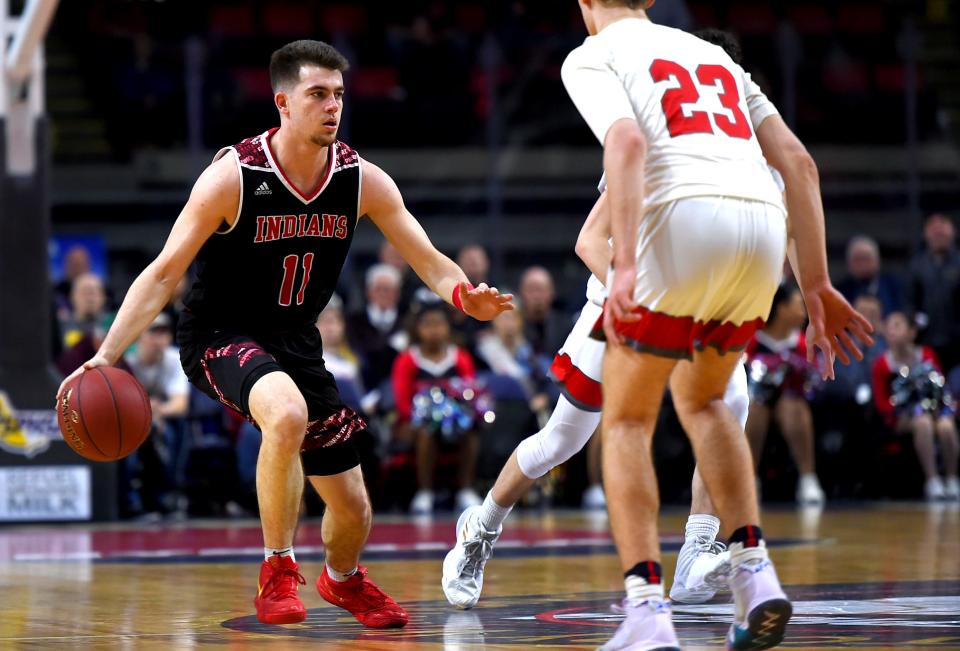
(457,303)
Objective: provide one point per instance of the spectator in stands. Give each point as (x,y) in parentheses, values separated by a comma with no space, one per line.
(853,381)
(865,277)
(156,365)
(434,362)
(76,263)
(338,356)
(474,261)
(476,265)
(83,329)
(909,393)
(544,327)
(780,382)
(375,332)
(506,352)
(409,282)
(934,289)
(88,302)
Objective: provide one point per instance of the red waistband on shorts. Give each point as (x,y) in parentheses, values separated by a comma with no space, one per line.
(583,391)
(677,337)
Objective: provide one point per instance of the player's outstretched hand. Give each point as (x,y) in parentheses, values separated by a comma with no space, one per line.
(93,362)
(832,322)
(620,305)
(484,303)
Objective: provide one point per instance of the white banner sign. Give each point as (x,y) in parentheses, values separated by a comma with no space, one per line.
(45,493)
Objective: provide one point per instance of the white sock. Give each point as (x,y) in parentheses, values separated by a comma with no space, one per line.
(339,577)
(492,514)
(638,590)
(282,551)
(701,524)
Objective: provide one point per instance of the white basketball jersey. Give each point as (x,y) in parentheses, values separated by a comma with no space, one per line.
(692,103)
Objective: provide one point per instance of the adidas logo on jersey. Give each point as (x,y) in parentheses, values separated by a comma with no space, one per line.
(263,189)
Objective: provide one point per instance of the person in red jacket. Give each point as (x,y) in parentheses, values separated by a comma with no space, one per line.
(910,393)
(434,362)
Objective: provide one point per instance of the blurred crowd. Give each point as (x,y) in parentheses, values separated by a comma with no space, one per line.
(438,67)
(448,398)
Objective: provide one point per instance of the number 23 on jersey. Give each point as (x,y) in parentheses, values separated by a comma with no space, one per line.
(675,99)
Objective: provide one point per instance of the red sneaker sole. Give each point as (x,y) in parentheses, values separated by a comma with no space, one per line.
(282,618)
(333,600)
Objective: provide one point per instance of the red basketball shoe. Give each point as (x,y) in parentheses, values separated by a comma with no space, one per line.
(363,599)
(277,601)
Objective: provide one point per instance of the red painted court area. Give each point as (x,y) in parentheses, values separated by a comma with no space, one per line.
(244,539)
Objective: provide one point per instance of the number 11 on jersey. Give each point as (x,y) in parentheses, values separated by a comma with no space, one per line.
(290,264)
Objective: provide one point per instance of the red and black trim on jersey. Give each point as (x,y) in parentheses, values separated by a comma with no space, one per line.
(256,153)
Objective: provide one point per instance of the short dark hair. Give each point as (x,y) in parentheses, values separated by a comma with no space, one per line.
(725,40)
(285,63)
(937,215)
(785,292)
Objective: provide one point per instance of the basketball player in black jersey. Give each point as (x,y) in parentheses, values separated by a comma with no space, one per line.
(269,224)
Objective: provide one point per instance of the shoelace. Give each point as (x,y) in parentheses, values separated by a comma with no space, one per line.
(370,591)
(704,545)
(283,588)
(475,550)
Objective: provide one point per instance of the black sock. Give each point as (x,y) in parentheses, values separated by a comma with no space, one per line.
(748,536)
(649,571)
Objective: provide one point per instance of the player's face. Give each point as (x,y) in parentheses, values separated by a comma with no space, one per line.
(313,107)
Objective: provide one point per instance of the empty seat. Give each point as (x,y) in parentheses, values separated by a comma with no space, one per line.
(752,19)
(233,20)
(812,20)
(288,20)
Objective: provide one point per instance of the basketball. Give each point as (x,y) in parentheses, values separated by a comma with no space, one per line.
(104,414)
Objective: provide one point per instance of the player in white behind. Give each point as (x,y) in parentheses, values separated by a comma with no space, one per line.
(702,565)
(699,236)
(578,368)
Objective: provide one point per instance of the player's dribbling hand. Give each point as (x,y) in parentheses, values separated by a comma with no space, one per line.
(832,322)
(93,362)
(620,305)
(484,303)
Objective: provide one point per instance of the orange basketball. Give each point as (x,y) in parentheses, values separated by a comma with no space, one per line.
(104,414)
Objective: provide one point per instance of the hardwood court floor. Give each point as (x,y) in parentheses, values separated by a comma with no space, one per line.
(867,577)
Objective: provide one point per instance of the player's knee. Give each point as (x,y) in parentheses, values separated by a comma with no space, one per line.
(286,421)
(550,447)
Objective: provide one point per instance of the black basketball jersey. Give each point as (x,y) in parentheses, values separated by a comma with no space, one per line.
(276,267)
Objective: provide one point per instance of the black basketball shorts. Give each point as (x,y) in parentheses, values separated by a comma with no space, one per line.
(225,366)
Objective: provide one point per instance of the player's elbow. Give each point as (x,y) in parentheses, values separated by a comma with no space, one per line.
(799,165)
(625,143)
(582,247)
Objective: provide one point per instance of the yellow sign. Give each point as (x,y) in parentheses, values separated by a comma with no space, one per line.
(14,438)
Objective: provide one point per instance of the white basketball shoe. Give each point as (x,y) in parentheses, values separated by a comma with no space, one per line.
(463,566)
